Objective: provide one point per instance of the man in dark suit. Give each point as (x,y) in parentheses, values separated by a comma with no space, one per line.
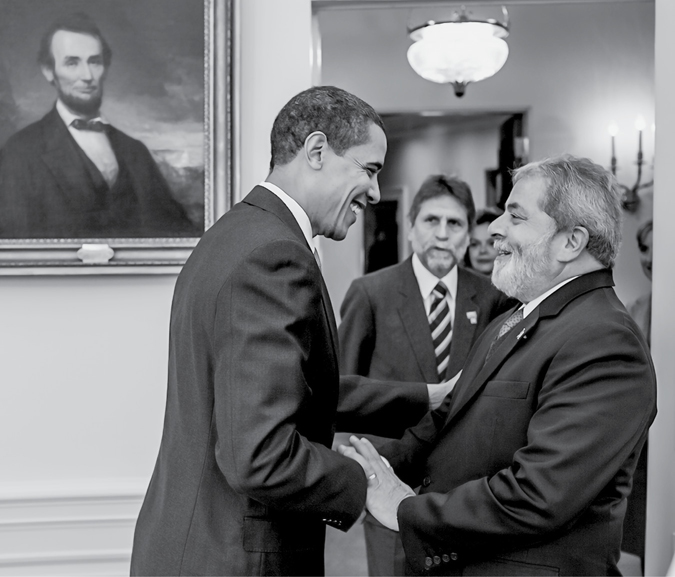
(73,175)
(386,333)
(526,467)
(246,480)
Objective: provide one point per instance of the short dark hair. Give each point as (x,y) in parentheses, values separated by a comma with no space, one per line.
(344,118)
(76,22)
(443,185)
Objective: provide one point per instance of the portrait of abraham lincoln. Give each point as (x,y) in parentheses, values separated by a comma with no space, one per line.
(102,119)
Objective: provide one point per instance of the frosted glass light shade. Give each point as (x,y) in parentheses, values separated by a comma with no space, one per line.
(458,52)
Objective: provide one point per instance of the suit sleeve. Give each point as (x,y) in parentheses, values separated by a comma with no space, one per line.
(270,344)
(380,408)
(357,331)
(596,402)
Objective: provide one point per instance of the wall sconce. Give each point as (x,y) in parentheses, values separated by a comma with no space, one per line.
(630,199)
(460,50)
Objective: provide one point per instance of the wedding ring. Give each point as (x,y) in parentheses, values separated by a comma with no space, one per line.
(371,477)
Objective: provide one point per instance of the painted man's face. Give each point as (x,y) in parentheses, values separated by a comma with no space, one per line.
(78,71)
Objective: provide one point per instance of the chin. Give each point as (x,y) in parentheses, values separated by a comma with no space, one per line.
(83,105)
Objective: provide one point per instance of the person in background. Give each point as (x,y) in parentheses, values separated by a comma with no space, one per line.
(481,254)
(246,481)
(525,468)
(416,322)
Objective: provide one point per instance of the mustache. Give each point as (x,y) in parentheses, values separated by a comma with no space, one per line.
(502,246)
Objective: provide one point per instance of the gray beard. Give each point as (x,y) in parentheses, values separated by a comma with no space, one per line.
(520,278)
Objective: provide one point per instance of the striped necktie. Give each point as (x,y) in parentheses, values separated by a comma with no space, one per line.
(441,327)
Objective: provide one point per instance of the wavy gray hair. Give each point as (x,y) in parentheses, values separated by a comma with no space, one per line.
(581,193)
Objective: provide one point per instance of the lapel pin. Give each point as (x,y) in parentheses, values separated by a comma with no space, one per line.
(472,316)
(522,335)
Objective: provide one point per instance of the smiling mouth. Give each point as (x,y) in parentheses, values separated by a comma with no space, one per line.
(356,207)
(501,251)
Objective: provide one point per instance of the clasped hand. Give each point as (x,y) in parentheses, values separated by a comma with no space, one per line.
(385,489)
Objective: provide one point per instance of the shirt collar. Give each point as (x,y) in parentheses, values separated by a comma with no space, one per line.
(296,210)
(427,280)
(529,307)
(67,116)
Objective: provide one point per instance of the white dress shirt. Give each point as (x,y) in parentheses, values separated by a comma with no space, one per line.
(95,145)
(296,210)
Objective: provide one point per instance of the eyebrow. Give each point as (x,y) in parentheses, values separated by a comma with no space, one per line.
(515,206)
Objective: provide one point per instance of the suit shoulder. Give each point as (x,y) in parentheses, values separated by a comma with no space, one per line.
(26,137)
(383,277)
(482,283)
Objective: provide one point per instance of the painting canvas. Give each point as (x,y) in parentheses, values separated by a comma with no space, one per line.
(107,129)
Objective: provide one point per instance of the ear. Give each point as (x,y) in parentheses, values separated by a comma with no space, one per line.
(574,243)
(47,72)
(316,147)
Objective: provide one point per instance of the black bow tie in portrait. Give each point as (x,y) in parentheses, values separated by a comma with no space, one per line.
(82,124)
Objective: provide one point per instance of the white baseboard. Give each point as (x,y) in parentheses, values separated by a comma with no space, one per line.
(68,528)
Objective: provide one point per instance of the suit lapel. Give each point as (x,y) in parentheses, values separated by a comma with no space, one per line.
(263,198)
(477,372)
(480,371)
(463,330)
(60,155)
(414,319)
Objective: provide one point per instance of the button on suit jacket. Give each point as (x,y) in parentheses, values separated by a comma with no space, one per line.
(246,480)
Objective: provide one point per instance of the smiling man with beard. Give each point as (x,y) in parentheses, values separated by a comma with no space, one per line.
(72,174)
(526,467)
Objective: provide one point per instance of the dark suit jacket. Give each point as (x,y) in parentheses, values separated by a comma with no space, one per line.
(384,335)
(50,189)
(526,469)
(246,480)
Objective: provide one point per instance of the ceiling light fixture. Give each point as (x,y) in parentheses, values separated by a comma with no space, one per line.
(460,50)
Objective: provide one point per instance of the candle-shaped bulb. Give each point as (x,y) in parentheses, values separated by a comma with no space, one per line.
(640,123)
(613,129)
(640,126)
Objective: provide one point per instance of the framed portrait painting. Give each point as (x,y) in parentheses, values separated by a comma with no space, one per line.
(115,132)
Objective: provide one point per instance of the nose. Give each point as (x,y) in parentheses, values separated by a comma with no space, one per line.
(85,72)
(496,227)
(374,192)
(442,229)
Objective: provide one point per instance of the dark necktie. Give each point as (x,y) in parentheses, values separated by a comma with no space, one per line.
(441,328)
(509,323)
(82,124)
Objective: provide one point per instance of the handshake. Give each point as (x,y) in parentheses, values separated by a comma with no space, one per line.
(385,489)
